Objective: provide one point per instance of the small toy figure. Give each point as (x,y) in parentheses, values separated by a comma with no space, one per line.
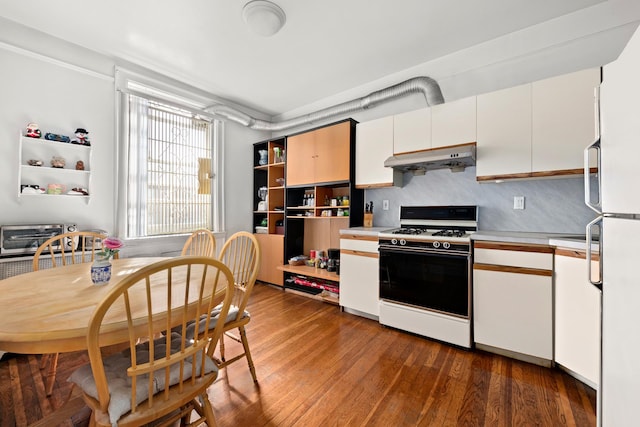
(82,137)
(34,162)
(55,137)
(57,162)
(33,131)
(79,165)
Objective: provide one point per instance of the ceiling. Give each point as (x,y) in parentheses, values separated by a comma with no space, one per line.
(327,47)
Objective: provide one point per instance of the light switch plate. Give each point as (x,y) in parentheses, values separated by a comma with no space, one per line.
(518,202)
(385,205)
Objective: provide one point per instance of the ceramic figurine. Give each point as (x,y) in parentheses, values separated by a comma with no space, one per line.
(82,137)
(55,137)
(33,131)
(58,162)
(79,165)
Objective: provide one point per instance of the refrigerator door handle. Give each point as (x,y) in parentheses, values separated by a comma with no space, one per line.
(597,204)
(590,226)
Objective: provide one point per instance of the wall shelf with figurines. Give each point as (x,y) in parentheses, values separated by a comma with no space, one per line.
(54,164)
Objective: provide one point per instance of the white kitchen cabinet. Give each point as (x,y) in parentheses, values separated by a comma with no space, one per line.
(65,178)
(453,123)
(359,269)
(563,120)
(577,316)
(412,131)
(504,133)
(374,144)
(513,300)
(538,129)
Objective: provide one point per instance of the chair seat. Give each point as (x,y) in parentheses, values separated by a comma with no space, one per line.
(116,366)
(215,314)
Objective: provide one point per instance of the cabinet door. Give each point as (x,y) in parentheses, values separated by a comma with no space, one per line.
(577,316)
(272,247)
(504,132)
(359,284)
(563,120)
(301,152)
(374,144)
(453,123)
(513,312)
(412,131)
(332,153)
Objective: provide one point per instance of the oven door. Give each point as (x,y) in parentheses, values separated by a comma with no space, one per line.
(25,239)
(434,280)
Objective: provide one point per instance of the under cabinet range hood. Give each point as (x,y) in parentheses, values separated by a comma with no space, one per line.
(456,158)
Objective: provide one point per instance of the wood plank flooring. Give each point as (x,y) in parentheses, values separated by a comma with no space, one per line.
(318,366)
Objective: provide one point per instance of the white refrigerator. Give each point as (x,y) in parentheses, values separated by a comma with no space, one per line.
(615,196)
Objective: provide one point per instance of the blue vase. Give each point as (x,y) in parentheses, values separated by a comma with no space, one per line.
(101,271)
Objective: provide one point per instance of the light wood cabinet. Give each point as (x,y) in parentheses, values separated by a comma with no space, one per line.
(412,131)
(577,316)
(504,133)
(272,246)
(513,300)
(359,282)
(374,144)
(538,129)
(453,123)
(319,156)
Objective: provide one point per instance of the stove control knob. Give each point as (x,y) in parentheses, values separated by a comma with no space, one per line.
(436,244)
(446,245)
(394,241)
(403,242)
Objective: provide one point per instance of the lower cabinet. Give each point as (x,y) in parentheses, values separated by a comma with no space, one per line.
(577,316)
(359,287)
(513,300)
(272,246)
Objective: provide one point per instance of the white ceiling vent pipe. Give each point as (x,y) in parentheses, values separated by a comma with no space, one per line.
(428,86)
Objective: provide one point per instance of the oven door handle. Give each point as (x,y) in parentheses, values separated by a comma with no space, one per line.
(405,249)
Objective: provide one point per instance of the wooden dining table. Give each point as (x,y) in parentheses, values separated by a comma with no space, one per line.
(48,311)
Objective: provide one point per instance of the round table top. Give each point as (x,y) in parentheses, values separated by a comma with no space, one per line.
(48,311)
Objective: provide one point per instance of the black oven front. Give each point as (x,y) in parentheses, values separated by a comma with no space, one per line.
(435,280)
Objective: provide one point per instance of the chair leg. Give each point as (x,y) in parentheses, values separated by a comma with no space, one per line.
(208,411)
(221,343)
(50,376)
(44,360)
(245,344)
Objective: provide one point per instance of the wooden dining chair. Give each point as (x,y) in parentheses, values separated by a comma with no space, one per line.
(201,242)
(242,254)
(67,248)
(167,378)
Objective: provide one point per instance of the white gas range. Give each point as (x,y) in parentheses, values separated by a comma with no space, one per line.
(425,272)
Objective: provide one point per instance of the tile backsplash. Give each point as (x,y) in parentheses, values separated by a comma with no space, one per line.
(551,205)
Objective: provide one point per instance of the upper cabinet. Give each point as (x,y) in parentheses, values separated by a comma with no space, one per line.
(538,129)
(374,144)
(319,156)
(453,123)
(563,120)
(411,131)
(504,132)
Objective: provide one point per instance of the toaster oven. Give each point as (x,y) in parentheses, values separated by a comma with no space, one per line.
(25,239)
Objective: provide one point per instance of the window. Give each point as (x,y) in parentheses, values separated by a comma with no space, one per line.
(170,159)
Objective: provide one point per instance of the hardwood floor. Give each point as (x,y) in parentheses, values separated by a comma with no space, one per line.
(317,366)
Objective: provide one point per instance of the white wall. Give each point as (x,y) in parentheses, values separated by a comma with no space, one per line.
(62,87)
(59,99)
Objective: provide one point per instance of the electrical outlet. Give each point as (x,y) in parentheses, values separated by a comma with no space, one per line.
(385,205)
(518,202)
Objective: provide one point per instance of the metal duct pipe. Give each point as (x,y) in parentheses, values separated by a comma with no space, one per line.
(428,86)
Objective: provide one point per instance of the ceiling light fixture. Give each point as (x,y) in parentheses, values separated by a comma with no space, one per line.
(263,17)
